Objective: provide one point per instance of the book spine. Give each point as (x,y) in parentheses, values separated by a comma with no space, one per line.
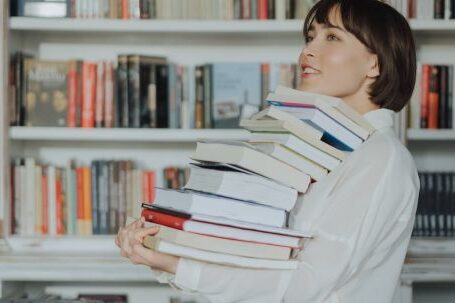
(45,199)
(208,102)
(95,199)
(449,115)
(122,113)
(72,97)
(425,94)
(134,87)
(199,106)
(109,95)
(162,79)
(163,219)
(443,94)
(99,103)
(439,9)
(80,200)
(433,100)
(89,92)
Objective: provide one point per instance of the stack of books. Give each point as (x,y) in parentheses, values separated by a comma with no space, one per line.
(234,208)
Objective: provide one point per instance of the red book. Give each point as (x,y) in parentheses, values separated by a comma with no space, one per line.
(262,9)
(424,102)
(89,94)
(433,98)
(125,10)
(99,105)
(163,219)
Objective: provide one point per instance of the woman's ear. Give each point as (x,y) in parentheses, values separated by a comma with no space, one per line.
(374,67)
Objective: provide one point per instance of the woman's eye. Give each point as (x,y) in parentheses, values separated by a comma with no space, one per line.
(332,37)
(308,39)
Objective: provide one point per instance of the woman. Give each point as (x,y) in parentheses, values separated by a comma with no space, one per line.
(362,213)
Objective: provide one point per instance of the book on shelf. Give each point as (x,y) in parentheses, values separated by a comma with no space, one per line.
(435,215)
(430,9)
(137,91)
(76,199)
(163,10)
(431,105)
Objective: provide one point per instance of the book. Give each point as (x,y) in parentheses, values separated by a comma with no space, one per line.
(206,204)
(299,146)
(233,86)
(217,230)
(45,95)
(225,181)
(278,114)
(337,103)
(291,104)
(334,133)
(230,222)
(286,155)
(239,154)
(278,126)
(43,8)
(221,245)
(170,248)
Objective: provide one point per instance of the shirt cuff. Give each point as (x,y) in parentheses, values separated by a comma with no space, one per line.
(188,274)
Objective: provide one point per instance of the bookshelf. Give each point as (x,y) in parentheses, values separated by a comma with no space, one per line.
(188,42)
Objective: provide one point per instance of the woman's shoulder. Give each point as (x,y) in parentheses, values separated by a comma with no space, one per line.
(384,150)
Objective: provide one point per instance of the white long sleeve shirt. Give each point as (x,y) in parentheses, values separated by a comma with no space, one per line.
(361,215)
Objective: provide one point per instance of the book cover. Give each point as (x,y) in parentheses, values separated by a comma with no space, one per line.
(46,92)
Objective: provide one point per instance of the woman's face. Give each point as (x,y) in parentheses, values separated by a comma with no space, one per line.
(335,63)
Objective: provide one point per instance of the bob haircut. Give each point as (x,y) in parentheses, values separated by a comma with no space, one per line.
(384,32)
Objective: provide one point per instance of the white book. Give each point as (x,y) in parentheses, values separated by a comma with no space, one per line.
(279,126)
(326,108)
(292,158)
(318,119)
(212,205)
(299,126)
(221,245)
(337,103)
(223,181)
(239,154)
(299,146)
(52,205)
(166,247)
(30,198)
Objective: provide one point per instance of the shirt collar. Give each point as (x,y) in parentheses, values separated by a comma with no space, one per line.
(380,118)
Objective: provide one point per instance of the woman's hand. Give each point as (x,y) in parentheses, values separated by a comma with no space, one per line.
(129,240)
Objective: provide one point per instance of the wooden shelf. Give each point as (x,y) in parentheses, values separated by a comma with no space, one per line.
(430,134)
(190,26)
(124,134)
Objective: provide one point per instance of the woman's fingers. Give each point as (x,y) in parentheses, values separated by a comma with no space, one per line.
(141,233)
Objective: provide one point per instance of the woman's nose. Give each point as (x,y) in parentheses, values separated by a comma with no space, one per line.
(309,50)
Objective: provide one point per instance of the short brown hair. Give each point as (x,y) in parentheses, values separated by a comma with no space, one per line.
(386,33)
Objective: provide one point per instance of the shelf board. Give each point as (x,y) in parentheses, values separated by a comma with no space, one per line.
(61,267)
(158,26)
(124,134)
(432,248)
(189,26)
(430,134)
